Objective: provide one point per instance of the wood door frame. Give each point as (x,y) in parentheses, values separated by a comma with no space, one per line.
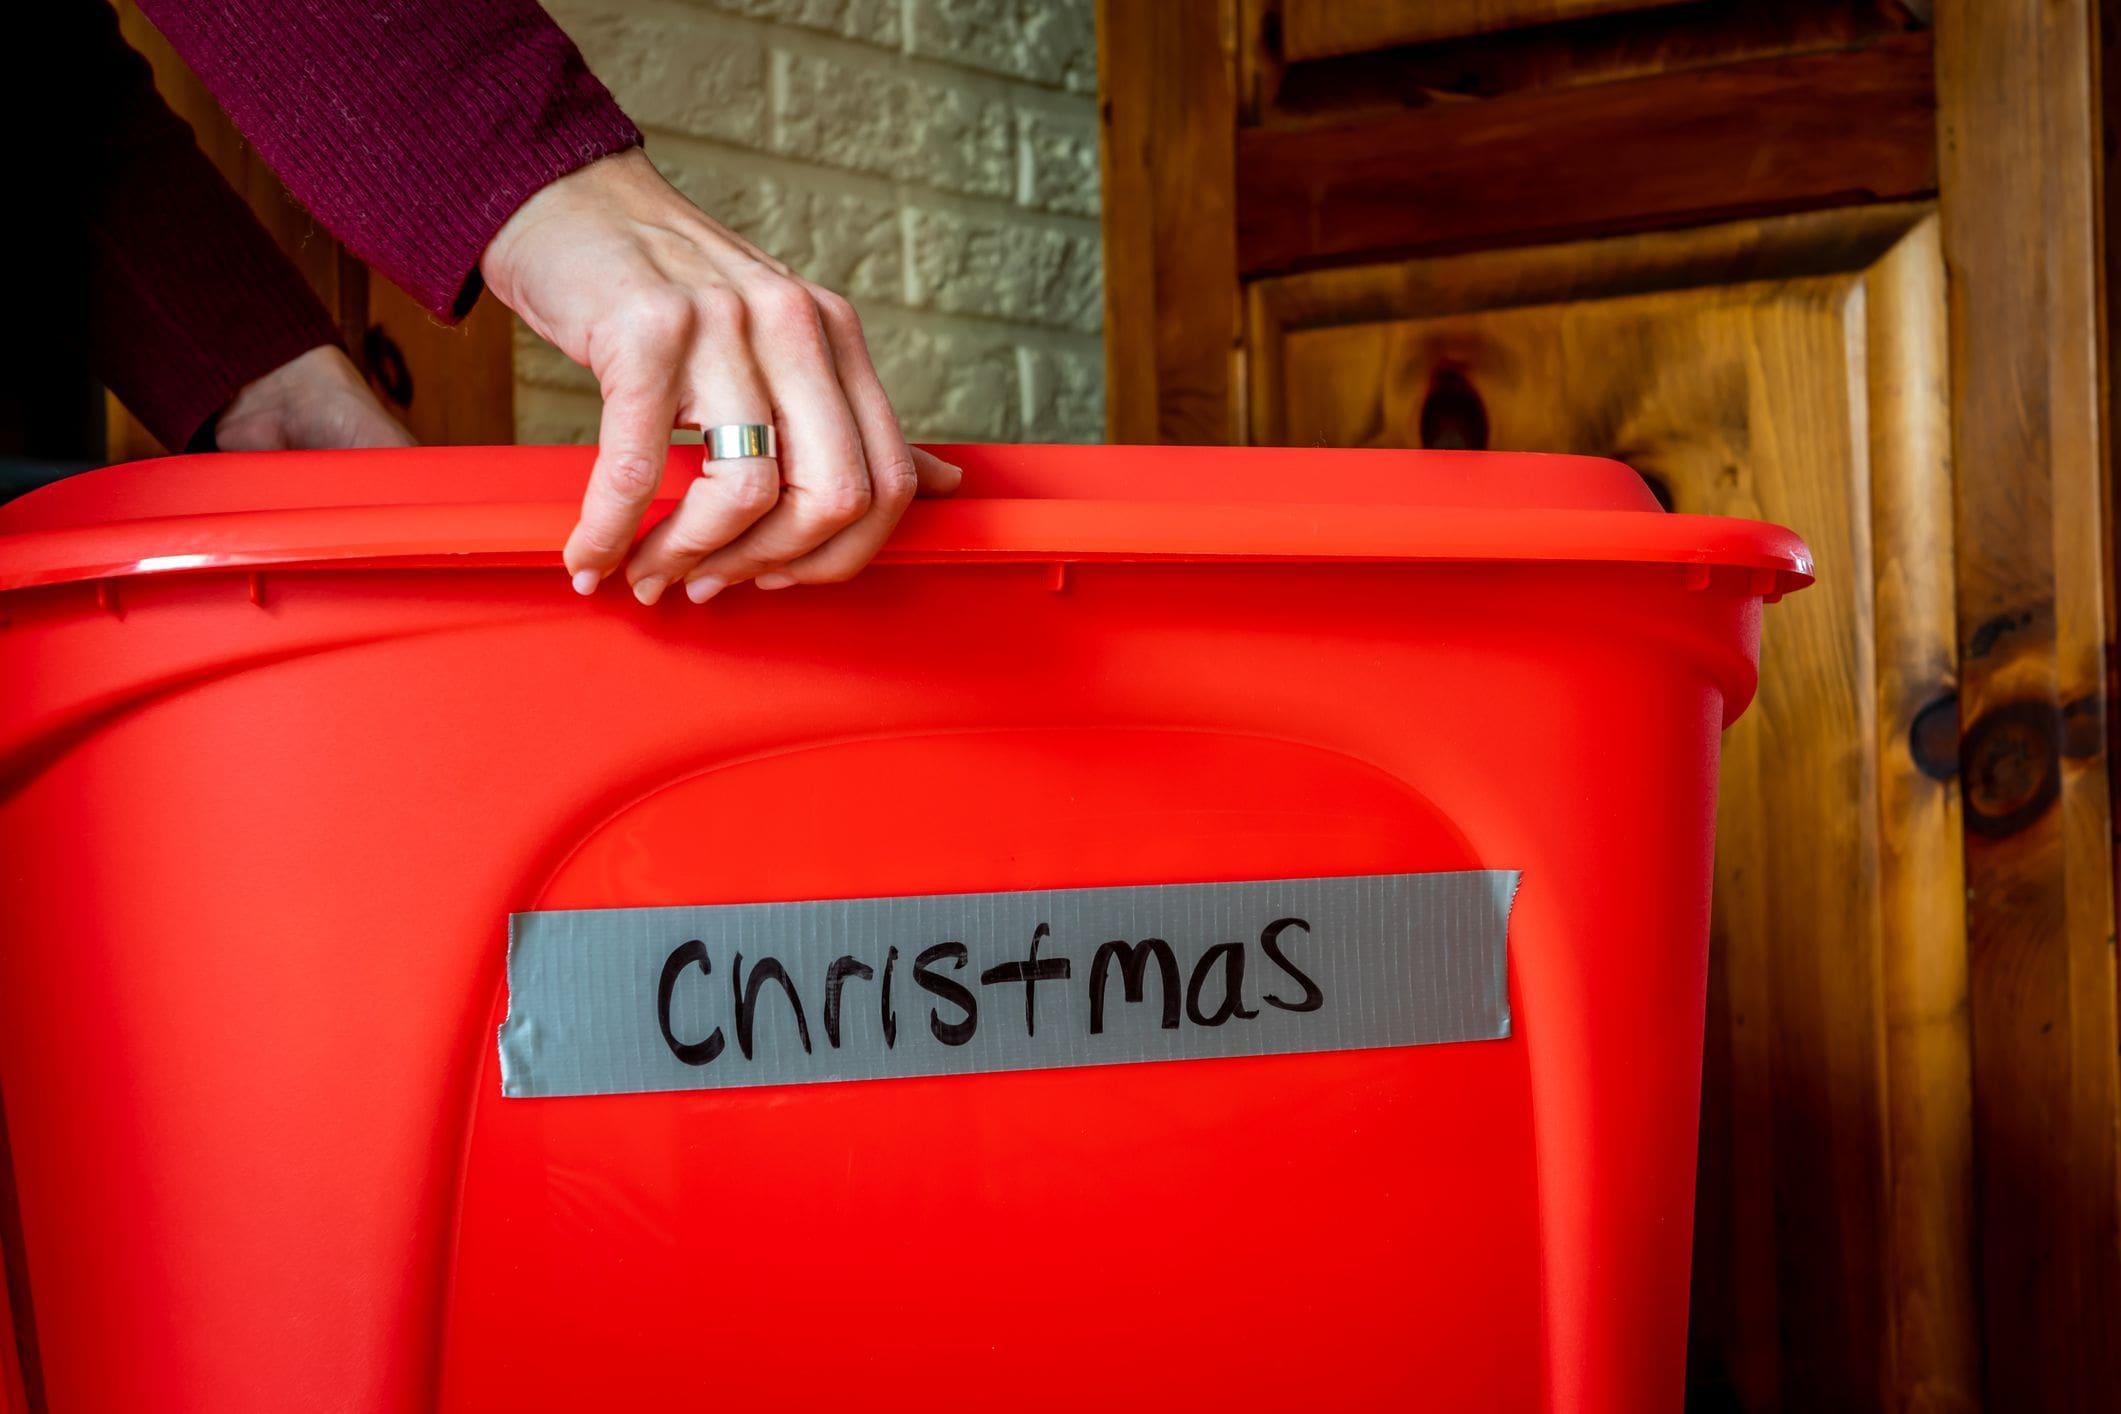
(1911,1297)
(2019,143)
(1167,111)
(2022,104)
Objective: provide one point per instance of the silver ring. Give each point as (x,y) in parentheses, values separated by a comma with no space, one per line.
(741,439)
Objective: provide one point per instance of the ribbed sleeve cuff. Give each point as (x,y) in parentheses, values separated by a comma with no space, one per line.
(519,171)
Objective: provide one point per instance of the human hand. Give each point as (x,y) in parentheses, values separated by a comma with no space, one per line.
(684,323)
(313,401)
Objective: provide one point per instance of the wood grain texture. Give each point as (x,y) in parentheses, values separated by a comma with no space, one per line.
(1933,1333)
(1167,86)
(458,388)
(2019,130)
(1667,149)
(1622,45)
(1791,369)
(1318,28)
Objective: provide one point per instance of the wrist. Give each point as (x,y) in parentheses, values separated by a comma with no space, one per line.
(315,400)
(268,391)
(599,185)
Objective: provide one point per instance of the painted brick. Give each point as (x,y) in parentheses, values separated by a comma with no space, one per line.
(1059,155)
(540,365)
(876,21)
(1046,41)
(944,387)
(547,418)
(981,311)
(670,74)
(845,241)
(1064,395)
(1001,269)
(948,383)
(749,205)
(874,118)
(944,383)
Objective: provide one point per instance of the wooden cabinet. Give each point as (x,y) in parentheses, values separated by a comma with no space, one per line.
(1790,262)
(1321,29)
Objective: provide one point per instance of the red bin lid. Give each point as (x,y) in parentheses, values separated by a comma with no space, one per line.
(513,506)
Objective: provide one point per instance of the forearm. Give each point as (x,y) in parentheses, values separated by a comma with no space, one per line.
(413,129)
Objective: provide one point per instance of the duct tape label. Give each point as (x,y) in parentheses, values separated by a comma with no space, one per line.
(626,1000)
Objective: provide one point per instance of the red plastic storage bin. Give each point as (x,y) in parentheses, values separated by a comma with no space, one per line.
(285,740)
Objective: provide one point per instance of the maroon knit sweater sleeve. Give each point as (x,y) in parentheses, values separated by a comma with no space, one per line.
(412,128)
(188,297)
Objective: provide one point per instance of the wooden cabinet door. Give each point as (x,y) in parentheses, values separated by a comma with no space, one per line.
(1792,370)
(1317,29)
(1699,237)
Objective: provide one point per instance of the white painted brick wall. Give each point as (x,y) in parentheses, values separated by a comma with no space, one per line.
(934,160)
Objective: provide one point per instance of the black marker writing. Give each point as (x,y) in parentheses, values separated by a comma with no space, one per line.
(890,1016)
(1219,971)
(1232,956)
(746,997)
(1133,964)
(681,957)
(950,1033)
(1030,972)
(1270,944)
(835,978)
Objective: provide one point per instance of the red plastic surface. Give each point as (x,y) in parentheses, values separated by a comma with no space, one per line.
(262,828)
(495,507)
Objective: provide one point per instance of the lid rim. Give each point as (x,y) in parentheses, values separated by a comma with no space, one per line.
(475,507)
(935,534)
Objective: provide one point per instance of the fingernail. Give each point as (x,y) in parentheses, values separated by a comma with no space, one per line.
(585,581)
(774,581)
(649,589)
(700,590)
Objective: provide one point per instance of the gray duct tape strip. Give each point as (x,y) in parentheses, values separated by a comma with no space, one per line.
(625,1000)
